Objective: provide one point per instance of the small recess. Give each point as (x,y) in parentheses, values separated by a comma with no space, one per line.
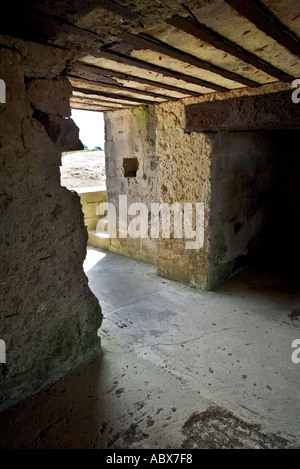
(130,165)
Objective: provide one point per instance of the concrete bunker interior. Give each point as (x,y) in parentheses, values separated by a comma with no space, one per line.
(196,111)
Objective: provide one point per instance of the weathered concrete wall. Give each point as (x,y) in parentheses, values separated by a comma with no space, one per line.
(174,167)
(48,316)
(232,174)
(132,134)
(276,111)
(184,177)
(243,175)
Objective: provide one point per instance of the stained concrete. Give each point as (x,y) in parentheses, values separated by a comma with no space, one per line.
(232,173)
(131,134)
(48,316)
(180,368)
(174,167)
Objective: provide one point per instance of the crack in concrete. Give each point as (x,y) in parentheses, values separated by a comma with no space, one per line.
(185,341)
(175,343)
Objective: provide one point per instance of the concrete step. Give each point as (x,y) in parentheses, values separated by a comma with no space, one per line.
(99,239)
(102,225)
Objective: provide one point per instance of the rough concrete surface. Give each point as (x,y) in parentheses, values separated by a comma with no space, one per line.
(181,368)
(174,167)
(131,133)
(237,175)
(48,316)
(184,177)
(276,111)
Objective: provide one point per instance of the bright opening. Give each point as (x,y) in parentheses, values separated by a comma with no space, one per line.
(85,168)
(91,127)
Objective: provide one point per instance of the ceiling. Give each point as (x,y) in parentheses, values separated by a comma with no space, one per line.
(133,52)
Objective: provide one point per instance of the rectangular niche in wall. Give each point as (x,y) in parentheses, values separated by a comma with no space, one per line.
(130,165)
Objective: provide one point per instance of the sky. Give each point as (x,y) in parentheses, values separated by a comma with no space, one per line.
(91,127)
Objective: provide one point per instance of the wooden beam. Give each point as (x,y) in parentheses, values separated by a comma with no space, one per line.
(91,72)
(123,59)
(118,86)
(271,111)
(92,102)
(170,51)
(112,103)
(219,42)
(88,107)
(98,102)
(119,97)
(264,20)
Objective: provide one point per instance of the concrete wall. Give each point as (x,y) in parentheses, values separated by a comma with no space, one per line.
(184,177)
(132,134)
(48,317)
(235,174)
(174,167)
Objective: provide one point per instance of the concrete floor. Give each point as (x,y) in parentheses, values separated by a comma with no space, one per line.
(181,368)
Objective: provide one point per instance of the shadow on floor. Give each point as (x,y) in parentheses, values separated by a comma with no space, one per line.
(181,368)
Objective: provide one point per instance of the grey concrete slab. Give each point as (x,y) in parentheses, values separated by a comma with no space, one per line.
(232,346)
(181,368)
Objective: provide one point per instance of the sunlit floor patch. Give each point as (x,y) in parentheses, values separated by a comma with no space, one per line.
(92,258)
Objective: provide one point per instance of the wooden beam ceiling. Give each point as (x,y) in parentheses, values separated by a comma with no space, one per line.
(80,104)
(219,42)
(170,51)
(123,37)
(99,102)
(264,20)
(102,94)
(123,59)
(94,73)
(123,75)
(90,84)
(89,107)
